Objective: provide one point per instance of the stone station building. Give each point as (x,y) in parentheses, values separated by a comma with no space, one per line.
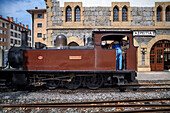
(150,27)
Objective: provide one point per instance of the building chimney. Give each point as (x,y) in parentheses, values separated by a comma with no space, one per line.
(11,19)
(27,26)
(23,25)
(20,24)
(36,7)
(7,18)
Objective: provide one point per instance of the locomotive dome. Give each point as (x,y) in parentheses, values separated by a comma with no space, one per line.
(61,40)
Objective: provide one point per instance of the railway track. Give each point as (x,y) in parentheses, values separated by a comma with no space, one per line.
(127,87)
(152,105)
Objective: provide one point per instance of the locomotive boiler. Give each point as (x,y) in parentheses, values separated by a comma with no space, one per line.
(93,65)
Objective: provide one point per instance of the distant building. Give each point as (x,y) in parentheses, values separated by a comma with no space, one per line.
(38,25)
(10,33)
(4,33)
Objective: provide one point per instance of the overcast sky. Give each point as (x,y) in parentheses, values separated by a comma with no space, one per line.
(17,8)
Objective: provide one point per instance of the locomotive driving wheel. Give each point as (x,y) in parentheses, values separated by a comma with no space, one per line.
(52,84)
(94,82)
(74,83)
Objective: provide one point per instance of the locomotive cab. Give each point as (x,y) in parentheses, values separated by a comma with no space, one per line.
(109,42)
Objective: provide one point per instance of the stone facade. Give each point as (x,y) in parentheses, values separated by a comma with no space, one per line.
(97,16)
(142,16)
(163,32)
(57,14)
(77,33)
(143,40)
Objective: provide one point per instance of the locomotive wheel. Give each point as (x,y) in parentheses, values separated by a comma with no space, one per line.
(52,84)
(94,82)
(74,83)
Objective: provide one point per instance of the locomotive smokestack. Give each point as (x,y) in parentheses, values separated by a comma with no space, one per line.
(24,38)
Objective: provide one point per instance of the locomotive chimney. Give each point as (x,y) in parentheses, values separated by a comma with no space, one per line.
(60,41)
(24,38)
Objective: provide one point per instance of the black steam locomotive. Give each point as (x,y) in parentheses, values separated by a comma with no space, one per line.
(89,66)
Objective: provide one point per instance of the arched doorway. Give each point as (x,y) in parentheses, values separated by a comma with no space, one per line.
(160,56)
(76,40)
(73,44)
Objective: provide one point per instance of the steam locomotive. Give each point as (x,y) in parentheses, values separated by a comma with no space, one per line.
(92,65)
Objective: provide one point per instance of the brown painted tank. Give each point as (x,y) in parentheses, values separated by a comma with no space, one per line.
(83,58)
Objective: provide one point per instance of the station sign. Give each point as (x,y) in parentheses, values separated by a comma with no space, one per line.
(143,33)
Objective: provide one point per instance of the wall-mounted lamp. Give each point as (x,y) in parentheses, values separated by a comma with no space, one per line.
(43,37)
(143,50)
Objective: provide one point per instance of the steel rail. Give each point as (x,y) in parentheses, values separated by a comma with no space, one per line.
(83,106)
(139,111)
(96,104)
(101,102)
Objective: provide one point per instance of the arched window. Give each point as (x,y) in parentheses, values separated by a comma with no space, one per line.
(168,13)
(77,13)
(115,14)
(124,14)
(68,13)
(159,14)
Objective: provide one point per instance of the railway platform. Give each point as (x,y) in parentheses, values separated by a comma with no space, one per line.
(154,75)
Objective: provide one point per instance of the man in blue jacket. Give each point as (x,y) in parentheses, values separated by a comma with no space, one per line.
(117,46)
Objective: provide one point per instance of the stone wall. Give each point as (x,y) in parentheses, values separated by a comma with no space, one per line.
(57,14)
(69,33)
(162,32)
(142,16)
(97,16)
(143,40)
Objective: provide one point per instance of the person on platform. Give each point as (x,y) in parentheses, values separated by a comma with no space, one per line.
(116,45)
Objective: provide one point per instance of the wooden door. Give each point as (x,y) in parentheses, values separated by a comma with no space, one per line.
(157,56)
(159,59)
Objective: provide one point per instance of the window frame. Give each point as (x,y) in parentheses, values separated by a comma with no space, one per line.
(124,14)
(39,35)
(16,35)
(19,35)
(68,14)
(15,42)
(3,25)
(12,27)
(38,15)
(12,33)
(16,28)
(77,14)
(167,12)
(12,41)
(39,25)
(115,15)
(159,14)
